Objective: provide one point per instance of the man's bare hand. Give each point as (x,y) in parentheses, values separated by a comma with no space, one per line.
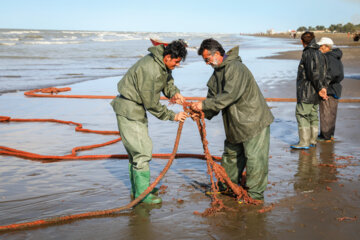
(323,94)
(180,117)
(195,115)
(179,99)
(196,106)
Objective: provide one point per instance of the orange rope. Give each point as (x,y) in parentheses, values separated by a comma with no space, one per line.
(214,170)
(218,172)
(73,156)
(54,220)
(44,92)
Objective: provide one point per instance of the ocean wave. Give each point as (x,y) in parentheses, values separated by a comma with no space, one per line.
(65,38)
(10,76)
(7,44)
(118,56)
(33,37)
(114,37)
(22,57)
(20,32)
(9,39)
(50,43)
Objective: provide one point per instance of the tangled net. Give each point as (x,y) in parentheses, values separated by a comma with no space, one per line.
(216,172)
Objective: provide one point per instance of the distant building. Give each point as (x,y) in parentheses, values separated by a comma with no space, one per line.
(270,31)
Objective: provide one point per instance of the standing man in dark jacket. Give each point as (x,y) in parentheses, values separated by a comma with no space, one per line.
(335,74)
(140,90)
(233,90)
(310,83)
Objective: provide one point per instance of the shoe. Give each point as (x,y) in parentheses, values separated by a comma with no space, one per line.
(304,137)
(324,140)
(142,182)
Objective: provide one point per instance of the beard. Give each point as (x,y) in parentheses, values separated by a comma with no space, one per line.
(215,63)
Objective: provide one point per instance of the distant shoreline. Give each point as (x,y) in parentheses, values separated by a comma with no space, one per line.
(350,59)
(350,49)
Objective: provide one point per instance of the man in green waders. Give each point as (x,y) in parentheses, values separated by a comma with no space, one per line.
(246,116)
(310,86)
(140,92)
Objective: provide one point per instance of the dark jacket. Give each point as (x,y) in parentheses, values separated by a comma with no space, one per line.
(141,86)
(335,72)
(311,74)
(233,90)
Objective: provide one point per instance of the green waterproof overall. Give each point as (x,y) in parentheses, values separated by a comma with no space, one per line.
(136,140)
(233,91)
(139,92)
(254,154)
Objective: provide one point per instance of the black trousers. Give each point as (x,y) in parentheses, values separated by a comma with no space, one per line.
(328,111)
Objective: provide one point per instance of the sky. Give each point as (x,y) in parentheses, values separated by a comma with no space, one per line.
(210,16)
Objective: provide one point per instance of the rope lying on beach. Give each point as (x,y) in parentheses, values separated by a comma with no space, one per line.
(53,93)
(73,156)
(214,170)
(61,219)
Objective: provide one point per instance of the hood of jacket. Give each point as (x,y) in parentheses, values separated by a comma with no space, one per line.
(336,53)
(157,52)
(232,54)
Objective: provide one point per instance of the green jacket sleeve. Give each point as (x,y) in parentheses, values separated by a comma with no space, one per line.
(233,89)
(170,89)
(209,114)
(150,96)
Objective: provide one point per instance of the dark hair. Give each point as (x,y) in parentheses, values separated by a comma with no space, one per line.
(176,49)
(307,37)
(211,45)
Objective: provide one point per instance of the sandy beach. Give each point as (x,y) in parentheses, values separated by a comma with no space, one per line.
(311,194)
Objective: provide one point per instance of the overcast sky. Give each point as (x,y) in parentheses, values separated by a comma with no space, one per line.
(222,16)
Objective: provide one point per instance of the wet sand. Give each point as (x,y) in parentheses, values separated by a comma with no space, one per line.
(307,197)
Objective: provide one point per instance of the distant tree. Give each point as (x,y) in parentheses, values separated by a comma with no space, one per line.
(301,29)
(320,28)
(349,27)
(332,28)
(310,28)
(339,27)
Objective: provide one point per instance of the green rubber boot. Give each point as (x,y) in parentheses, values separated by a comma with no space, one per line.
(142,182)
(131,176)
(155,191)
(304,137)
(314,135)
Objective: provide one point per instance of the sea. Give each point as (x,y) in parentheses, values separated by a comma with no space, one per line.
(32,59)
